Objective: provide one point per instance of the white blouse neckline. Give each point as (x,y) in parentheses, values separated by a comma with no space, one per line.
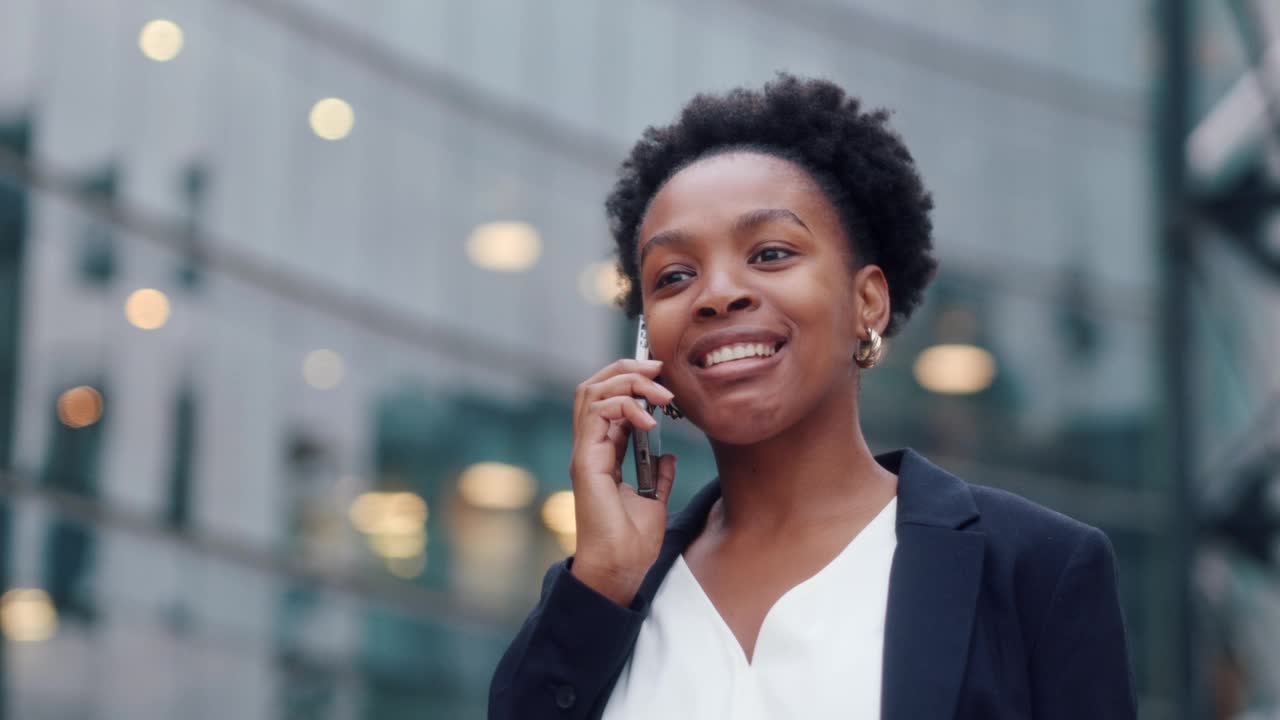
(818,652)
(873,530)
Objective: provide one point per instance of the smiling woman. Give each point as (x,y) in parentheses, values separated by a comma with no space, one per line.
(771,238)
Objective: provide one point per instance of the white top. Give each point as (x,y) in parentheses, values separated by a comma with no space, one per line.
(819,653)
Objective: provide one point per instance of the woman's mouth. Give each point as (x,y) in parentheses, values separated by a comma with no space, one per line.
(739,351)
(739,361)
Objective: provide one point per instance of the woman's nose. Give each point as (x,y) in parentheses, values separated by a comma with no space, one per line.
(722,295)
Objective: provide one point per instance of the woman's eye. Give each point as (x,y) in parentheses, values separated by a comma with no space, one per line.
(674,276)
(772,254)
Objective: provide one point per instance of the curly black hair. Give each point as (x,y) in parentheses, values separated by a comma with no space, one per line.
(858,161)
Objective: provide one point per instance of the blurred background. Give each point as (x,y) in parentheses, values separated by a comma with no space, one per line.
(294,294)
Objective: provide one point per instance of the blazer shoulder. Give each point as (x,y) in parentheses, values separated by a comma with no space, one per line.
(1035,554)
(1019,521)
(1029,534)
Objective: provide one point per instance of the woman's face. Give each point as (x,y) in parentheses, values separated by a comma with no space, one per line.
(743,254)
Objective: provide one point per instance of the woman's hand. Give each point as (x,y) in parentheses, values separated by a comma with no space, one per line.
(619,532)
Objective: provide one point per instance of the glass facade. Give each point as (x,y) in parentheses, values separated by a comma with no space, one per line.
(296,293)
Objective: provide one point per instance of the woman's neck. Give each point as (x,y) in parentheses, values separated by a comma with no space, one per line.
(818,471)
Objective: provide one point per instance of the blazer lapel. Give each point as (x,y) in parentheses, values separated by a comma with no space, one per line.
(682,528)
(933,589)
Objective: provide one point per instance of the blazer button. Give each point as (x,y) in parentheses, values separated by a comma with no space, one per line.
(565,697)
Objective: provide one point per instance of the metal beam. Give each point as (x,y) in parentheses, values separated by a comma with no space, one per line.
(1172,114)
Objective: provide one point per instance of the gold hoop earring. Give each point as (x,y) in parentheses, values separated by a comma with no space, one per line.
(672,411)
(869,351)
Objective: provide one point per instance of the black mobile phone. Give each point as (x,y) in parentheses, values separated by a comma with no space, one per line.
(645,444)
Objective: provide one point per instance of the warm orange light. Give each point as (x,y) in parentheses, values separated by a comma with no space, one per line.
(508,246)
(80,407)
(27,615)
(497,486)
(601,283)
(397,513)
(399,547)
(955,369)
(557,512)
(147,309)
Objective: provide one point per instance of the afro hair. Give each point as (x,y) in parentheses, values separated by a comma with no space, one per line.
(858,161)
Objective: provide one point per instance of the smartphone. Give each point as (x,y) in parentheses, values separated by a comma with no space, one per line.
(645,444)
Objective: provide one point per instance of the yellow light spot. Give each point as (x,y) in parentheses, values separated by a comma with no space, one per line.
(147,309)
(955,369)
(80,407)
(557,512)
(27,615)
(160,40)
(332,118)
(379,513)
(399,546)
(497,486)
(504,246)
(568,542)
(407,568)
(323,369)
(601,283)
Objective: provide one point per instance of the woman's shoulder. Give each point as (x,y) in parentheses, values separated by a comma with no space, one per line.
(1036,543)
(933,495)
(1001,509)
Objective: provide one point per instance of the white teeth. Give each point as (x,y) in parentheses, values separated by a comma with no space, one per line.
(737,352)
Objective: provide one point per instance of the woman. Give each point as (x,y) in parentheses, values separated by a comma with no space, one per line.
(771,239)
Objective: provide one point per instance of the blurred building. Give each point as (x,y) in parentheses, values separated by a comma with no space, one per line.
(295,294)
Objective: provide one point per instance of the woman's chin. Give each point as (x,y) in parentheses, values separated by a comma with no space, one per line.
(745,428)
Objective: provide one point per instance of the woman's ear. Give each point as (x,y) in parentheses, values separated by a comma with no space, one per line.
(871,300)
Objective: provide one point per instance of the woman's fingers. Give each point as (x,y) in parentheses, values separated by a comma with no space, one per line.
(666,476)
(619,533)
(619,407)
(628,385)
(649,368)
(644,368)
(618,434)
(599,444)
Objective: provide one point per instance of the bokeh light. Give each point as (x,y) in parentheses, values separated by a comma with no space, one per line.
(147,309)
(507,246)
(332,118)
(375,513)
(323,369)
(160,40)
(497,486)
(80,407)
(557,512)
(395,526)
(955,369)
(27,615)
(394,546)
(601,283)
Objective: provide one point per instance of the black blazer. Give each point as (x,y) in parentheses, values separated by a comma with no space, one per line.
(998,608)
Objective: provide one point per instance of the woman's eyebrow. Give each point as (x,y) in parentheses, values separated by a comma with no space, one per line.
(754,218)
(664,239)
(744,222)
